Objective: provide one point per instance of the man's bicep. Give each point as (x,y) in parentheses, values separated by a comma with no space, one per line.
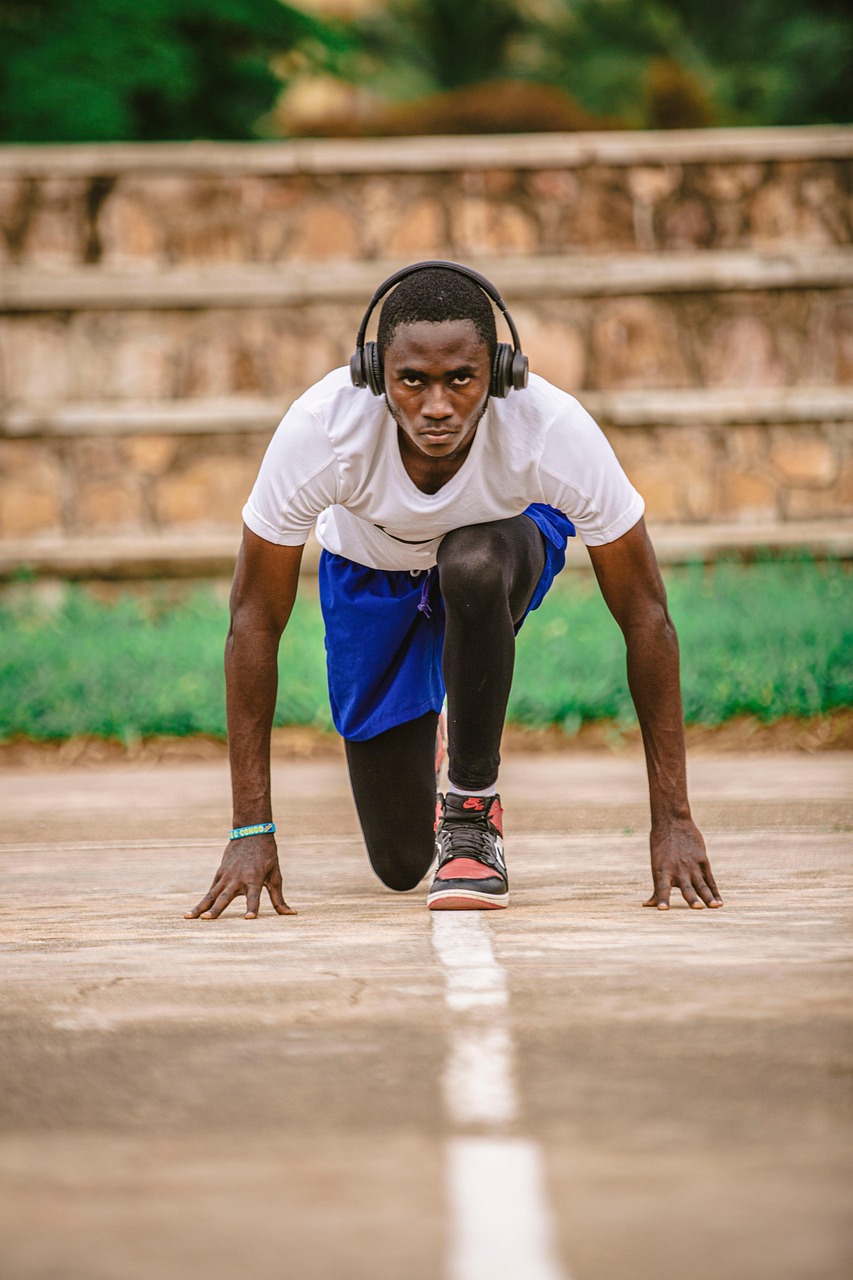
(628,574)
(265,582)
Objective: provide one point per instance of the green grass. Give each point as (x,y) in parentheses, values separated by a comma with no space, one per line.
(771,639)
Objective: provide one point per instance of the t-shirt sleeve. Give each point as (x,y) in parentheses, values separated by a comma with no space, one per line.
(298,479)
(581,476)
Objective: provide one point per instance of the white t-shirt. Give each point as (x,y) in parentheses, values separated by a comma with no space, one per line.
(335,459)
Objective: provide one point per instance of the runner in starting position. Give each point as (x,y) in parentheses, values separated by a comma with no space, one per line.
(444,489)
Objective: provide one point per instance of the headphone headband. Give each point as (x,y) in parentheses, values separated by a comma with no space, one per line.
(510,366)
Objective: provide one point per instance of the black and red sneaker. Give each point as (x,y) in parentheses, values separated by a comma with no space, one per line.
(471,871)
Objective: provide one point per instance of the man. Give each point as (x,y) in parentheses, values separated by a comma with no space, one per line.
(444,489)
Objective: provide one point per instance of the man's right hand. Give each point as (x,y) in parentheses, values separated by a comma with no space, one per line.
(247,866)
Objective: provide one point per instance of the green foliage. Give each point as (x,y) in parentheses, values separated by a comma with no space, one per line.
(132,669)
(442,44)
(769,640)
(103,70)
(646,63)
(750,61)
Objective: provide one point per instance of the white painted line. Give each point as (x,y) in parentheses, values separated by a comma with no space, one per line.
(473,977)
(501,1228)
(478,1079)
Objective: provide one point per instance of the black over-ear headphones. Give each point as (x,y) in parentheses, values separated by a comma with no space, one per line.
(509,368)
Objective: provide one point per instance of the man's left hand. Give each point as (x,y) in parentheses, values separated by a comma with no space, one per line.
(679,861)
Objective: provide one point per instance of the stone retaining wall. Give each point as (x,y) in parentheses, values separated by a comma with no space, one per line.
(534,196)
(144,282)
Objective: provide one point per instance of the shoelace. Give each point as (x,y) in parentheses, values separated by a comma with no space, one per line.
(469,838)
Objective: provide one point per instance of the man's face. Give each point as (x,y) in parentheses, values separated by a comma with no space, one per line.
(437,383)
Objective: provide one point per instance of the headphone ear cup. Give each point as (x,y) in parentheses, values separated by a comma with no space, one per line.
(501,370)
(356,368)
(373,369)
(520,370)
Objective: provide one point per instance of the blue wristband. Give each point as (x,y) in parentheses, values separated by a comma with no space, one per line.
(258,829)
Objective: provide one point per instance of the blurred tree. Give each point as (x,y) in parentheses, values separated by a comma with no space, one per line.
(101,70)
(446,43)
(658,63)
(730,62)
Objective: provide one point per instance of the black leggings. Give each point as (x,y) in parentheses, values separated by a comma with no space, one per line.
(487,574)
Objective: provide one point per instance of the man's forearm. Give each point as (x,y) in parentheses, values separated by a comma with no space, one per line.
(654,681)
(251,684)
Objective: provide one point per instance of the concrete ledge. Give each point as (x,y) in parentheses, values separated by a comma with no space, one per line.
(407,155)
(247,414)
(214,554)
(519,279)
(260,415)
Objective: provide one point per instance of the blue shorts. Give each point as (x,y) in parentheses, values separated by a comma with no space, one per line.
(385,634)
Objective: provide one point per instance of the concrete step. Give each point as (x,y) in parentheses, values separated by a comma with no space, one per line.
(520,279)
(213,554)
(444,154)
(229,415)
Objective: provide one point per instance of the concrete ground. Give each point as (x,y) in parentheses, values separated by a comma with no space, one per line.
(342,1095)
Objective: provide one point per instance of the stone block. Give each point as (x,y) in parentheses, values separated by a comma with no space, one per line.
(210,242)
(208,491)
(149,455)
(560,185)
(420,230)
(479,226)
(844,487)
(125,355)
(13,196)
(729,182)
(637,343)
(55,228)
(802,457)
(674,469)
(130,231)
(745,495)
(30,489)
(842,331)
(745,445)
(602,218)
(777,218)
(297,358)
(651,185)
(688,226)
(97,458)
(556,351)
(488,182)
(269,238)
(105,505)
(208,359)
(323,231)
(35,360)
(378,213)
(740,352)
(810,504)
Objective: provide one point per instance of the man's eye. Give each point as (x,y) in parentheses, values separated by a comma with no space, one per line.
(411,382)
(461,379)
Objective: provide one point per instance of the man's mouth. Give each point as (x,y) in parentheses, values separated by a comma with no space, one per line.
(437,433)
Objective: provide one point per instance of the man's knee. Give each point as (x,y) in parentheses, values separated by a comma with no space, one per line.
(397,872)
(471,569)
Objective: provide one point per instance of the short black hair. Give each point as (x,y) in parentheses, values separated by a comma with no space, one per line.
(436,294)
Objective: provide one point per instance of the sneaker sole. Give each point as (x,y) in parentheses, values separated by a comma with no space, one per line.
(467,900)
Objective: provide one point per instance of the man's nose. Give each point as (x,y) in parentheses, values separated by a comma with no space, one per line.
(436,403)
